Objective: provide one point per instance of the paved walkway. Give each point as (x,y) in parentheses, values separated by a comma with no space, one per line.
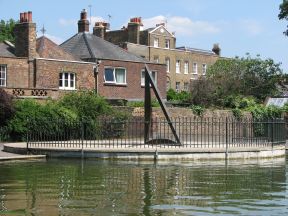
(5,156)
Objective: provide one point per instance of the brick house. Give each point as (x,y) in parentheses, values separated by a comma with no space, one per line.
(120,73)
(158,45)
(39,68)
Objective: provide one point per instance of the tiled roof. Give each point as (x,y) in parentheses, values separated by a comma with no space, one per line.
(88,46)
(7,50)
(48,49)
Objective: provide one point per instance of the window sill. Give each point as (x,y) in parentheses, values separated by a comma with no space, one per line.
(116,84)
(68,89)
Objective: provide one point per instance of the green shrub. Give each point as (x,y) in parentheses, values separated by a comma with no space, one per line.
(182,96)
(154,103)
(86,105)
(46,117)
(237,113)
(197,110)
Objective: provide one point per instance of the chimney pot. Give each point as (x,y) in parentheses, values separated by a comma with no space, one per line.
(29,16)
(21,17)
(83,15)
(25,17)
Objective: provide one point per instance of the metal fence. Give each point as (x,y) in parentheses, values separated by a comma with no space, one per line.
(193,132)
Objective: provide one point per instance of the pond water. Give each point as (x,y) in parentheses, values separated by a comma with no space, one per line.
(91,187)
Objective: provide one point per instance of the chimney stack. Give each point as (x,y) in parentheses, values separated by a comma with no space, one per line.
(134,30)
(100,29)
(216,49)
(83,23)
(25,36)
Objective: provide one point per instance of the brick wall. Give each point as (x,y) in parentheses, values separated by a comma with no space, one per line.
(17,72)
(133,89)
(47,75)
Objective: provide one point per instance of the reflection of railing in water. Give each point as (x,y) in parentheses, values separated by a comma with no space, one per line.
(194,133)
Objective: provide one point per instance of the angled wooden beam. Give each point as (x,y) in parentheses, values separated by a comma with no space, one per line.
(148,110)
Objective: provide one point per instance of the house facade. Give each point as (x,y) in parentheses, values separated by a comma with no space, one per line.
(39,68)
(158,45)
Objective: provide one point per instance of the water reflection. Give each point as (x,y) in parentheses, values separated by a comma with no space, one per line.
(63,187)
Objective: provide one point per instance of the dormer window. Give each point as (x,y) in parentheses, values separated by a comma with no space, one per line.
(156,42)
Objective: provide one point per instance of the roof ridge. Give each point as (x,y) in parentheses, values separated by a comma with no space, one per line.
(118,47)
(88,46)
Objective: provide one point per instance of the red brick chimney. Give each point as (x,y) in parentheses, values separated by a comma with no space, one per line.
(83,23)
(25,36)
(100,29)
(134,30)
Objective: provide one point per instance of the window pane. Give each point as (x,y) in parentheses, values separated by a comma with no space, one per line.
(72,80)
(66,83)
(109,75)
(142,77)
(66,75)
(120,75)
(154,76)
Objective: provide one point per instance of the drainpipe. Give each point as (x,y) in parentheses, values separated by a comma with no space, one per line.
(96,72)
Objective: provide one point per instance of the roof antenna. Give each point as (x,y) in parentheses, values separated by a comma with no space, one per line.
(90,6)
(43,30)
(109,17)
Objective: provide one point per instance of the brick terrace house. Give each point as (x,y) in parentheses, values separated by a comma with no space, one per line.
(39,68)
(121,73)
(159,45)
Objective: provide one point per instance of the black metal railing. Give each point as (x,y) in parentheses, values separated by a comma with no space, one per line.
(193,133)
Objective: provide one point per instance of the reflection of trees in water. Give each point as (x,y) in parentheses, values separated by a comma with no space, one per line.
(69,187)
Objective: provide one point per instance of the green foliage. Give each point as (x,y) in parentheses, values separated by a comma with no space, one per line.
(86,105)
(228,81)
(73,112)
(29,112)
(237,113)
(283,14)
(197,110)
(260,112)
(6,107)
(154,103)
(182,96)
(245,76)
(7,30)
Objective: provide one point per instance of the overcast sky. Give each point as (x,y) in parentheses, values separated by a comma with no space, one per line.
(240,27)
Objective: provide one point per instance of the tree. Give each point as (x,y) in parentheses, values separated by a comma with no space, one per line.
(7,30)
(284,13)
(238,77)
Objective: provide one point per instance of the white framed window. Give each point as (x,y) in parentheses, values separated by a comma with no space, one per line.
(186,86)
(156,59)
(154,77)
(178,65)
(204,69)
(168,85)
(3,75)
(115,75)
(156,42)
(67,81)
(186,67)
(195,68)
(177,86)
(167,43)
(167,64)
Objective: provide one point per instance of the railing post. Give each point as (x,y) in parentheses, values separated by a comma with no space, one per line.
(226,138)
(272,132)
(27,136)
(82,136)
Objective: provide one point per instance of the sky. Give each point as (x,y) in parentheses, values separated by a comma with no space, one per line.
(240,27)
